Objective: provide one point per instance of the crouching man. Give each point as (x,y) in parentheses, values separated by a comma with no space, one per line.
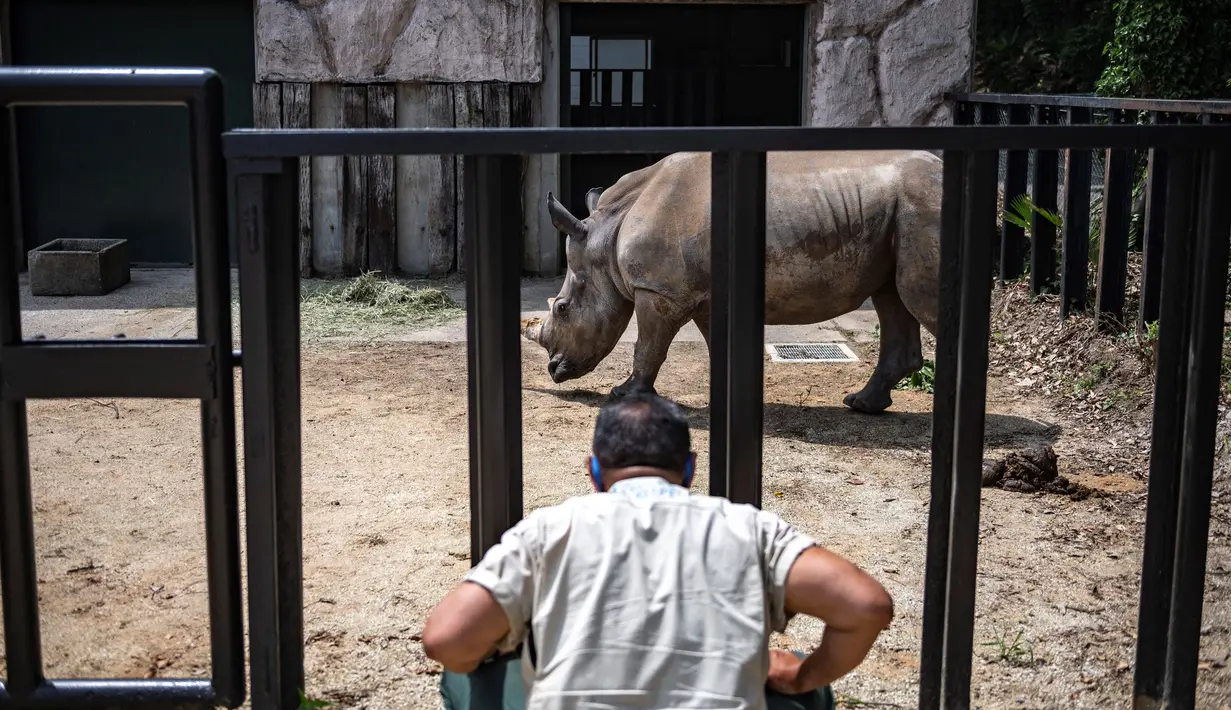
(644,595)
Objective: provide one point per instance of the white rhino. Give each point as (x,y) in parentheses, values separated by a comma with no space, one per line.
(841,227)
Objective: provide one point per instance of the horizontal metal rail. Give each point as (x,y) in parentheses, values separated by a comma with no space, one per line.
(57,370)
(102,694)
(293,143)
(1097,102)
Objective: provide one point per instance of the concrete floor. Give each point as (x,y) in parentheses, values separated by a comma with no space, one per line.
(160,303)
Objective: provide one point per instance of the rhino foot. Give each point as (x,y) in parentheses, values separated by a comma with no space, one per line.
(868,402)
(631,386)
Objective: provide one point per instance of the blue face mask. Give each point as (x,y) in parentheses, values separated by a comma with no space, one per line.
(597,474)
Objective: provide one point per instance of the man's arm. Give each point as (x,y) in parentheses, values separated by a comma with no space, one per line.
(464,628)
(853,605)
(490,610)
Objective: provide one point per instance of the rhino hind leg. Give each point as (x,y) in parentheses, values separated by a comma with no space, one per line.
(901,353)
(658,320)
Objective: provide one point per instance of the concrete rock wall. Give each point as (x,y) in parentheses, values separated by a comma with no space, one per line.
(889,62)
(410,41)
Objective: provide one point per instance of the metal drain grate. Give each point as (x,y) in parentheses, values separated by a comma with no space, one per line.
(810,352)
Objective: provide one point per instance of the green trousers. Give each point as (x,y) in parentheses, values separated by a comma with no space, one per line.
(497,685)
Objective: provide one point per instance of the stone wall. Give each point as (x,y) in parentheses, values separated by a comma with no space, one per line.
(360,41)
(889,62)
(869,63)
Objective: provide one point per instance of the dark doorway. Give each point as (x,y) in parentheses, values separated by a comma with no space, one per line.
(123,172)
(674,65)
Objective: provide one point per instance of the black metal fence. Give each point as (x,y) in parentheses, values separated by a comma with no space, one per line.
(1061,182)
(264,169)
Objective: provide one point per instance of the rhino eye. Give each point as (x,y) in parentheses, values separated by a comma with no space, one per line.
(561,306)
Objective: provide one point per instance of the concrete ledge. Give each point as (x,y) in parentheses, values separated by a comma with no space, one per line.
(79,267)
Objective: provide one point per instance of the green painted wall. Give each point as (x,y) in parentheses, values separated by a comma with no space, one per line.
(122,172)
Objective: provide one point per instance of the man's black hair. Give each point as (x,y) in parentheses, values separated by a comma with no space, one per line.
(642,430)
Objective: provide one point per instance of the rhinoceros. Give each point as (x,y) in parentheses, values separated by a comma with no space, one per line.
(841,227)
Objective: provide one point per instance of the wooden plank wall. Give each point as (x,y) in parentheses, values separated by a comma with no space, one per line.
(288,105)
(384,213)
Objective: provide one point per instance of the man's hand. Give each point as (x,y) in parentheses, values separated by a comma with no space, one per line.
(784,672)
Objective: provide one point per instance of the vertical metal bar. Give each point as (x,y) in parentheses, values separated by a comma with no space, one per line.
(1171,382)
(743,379)
(1075,256)
(268,207)
(1154,229)
(720,302)
(943,404)
(1113,235)
(18,572)
(979,224)
(989,115)
(587,77)
(1200,417)
(626,98)
(1043,232)
(1012,236)
(493,302)
(605,77)
(213,284)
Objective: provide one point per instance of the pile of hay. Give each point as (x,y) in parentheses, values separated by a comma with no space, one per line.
(371,302)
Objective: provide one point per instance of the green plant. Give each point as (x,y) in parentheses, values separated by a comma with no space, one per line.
(1018,652)
(924,379)
(1093,375)
(306,703)
(1169,49)
(1021,210)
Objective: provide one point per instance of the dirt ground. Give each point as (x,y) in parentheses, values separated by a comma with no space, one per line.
(117,489)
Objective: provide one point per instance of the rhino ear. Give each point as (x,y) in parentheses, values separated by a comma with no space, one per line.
(592,198)
(564,220)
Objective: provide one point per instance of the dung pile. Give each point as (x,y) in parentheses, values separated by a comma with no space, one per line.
(1029,471)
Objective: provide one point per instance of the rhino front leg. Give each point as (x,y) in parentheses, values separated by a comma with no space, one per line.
(901,353)
(657,323)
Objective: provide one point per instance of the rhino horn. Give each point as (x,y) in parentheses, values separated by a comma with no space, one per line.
(564,220)
(532,328)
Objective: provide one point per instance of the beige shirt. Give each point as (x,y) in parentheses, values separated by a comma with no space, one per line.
(644,597)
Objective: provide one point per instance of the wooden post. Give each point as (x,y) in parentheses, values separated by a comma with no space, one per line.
(327,186)
(426,186)
(467,113)
(297,113)
(382,237)
(354,187)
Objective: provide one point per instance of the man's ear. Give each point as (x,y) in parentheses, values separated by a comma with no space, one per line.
(690,469)
(595,472)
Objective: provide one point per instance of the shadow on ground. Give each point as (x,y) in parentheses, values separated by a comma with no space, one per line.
(839,426)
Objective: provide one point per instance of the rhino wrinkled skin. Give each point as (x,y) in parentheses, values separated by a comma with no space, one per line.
(841,227)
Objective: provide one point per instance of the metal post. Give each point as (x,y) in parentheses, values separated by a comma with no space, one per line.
(738,183)
(1171,382)
(1075,256)
(493,304)
(1200,418)
(268,207)
(18,573)
(1154,229)
(943,404)
(1113,236)
(1012,236)
(1043,191)
(979,223)
(213,286)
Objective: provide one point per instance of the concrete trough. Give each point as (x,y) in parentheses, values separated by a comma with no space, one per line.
(79,267)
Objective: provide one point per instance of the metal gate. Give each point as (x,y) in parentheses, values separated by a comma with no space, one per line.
(264,166)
